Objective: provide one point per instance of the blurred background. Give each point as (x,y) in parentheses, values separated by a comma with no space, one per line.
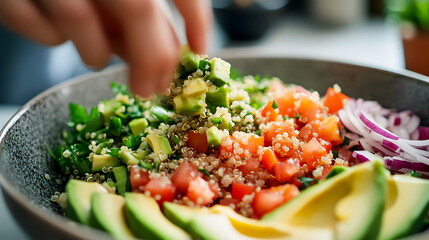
(389,34)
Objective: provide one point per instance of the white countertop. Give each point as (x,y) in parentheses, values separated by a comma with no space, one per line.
(370,43)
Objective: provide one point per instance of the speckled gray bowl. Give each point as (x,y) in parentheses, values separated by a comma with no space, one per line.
(24,160)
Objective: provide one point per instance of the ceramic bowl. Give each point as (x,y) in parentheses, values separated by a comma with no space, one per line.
(24,162)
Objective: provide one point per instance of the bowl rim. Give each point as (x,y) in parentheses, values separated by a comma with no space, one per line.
(75,230)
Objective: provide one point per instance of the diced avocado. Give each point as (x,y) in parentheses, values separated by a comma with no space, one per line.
(147,221)
(121,177)
(110,107)
(159,144)
(333,203)
(219,74)
(225,124)
(108,215)
(181,215)
(335,171)
(407,207)
(196,87)
(188,106)
(188,59)
(100,161)
(138,125)
(79,199)
(214,137)
(218,98)
(141,154)
(128,157)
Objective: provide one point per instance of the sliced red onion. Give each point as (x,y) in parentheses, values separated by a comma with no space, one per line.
(423,133)
(365,156)
(397,121)
(390,145)
(374,127)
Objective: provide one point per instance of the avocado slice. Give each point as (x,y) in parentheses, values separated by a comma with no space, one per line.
(100,161)
(79,199)
(225,124)
(147,221)
(196,87)
(218,98)
(214,137)
(159,144)
(188,59)
(121,177)
(128,157)
(219,74)
(108,215)
(189,106)
(138,125)
(406,207)
(332,203)
(181,215)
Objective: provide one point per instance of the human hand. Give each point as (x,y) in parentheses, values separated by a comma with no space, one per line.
(136,30)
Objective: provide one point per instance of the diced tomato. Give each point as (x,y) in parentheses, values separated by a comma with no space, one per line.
(278,127)
(251,143)
(230,202)
(138,177)
(197,141)
(270,112)
(276,86)
(284,171)
(312,152)
(214,187)
(328,129)
(269,159)
(199,192)
(308,108)
(239,190)
(326,170)
(334,100)
(327,145)
(183,175)
(251,165)
(161,189)
(269,199)
(286,103)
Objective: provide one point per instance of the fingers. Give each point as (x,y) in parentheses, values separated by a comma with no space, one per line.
(151,47)
(25,18)
(198,19)
(78,21)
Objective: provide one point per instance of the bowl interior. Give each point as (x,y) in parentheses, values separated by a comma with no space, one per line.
(25,163)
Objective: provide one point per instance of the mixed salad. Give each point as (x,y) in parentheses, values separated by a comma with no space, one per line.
(249,143)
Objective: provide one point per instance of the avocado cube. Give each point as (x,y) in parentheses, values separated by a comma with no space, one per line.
(214,137)
(196,87)
(189,60)
(142,154)
(138,125)
(121,177)
(159,144)
(189,106)
(100,161)
(219,74)
(225,124)
(218,98)
(128,157)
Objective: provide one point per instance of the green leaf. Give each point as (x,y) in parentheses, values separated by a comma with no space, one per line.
(205,171)
(160,113)
(115,126)
(114,152)
(95,122)
(414,174)
(203,65)
(156,166)
(345,142)
(274,105)
(335,154)
(51,153)
(258,132)
(216,120)
(133,142)
(120,89)
(306,181)
(143,164)
(78,113)
(176,140)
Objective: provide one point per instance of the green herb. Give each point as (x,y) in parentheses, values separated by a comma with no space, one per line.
(51,153)
(134,111)
(113,152)
(414,174)
(120,89)
(156,166)
(296,117)
(133,142)
(111,184)
(235,74)
(115,126)
(307,181)
(216,120)
(95,120)
(258,132)
(204,171)
(143,164)
(345,142)
(160,113)
(274,105)
(335,154)
(203,65)
(176,140)
(78,113)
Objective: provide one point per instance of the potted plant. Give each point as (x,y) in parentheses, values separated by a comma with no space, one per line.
(413,16)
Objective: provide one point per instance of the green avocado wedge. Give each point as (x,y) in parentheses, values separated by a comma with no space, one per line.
(79,199)
(350,203)
(147,221)
(181,215)
(107,214)
(406,208)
